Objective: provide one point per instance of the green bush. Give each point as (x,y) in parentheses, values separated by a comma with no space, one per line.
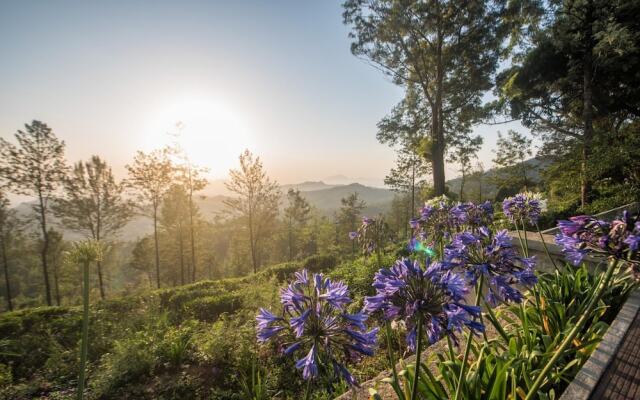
(209,308)
(129,361)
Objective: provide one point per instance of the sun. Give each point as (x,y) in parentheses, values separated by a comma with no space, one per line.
(212,133)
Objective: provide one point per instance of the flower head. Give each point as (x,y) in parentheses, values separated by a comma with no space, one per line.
(586,235)
(314,321)
(371,234)
(407,292)
(523,207)
(492,257)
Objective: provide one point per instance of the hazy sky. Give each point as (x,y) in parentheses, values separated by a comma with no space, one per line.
(276,77)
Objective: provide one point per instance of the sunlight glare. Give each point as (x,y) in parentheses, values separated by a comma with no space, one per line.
(213,134)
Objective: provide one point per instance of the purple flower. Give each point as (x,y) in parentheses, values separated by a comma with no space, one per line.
(494,258)
(309,364)
(523,207)
(314,321)
(410,293)
(473,215)
(586,235)
(372,234)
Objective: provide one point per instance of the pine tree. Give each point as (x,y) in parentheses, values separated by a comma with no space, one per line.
(150,176)
(35,167)
(256,202)
(93,205)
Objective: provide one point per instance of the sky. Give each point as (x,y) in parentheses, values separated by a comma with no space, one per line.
(276,77)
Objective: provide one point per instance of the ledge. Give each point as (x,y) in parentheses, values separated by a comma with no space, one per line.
(584,384)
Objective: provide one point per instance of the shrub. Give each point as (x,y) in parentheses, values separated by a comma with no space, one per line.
(209,308)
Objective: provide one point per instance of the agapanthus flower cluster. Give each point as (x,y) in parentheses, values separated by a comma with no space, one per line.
(314,321)
(523,207)
(406,292)
(584,234)
(436,221)
(371,234)
(494,258)
(473,215)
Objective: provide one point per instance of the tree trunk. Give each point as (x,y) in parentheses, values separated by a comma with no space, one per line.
(254,261)
(56,285)
(45,250)
(462,185)
(155,240)
(192,231)
(5,263)
(181,254)
(100,280)
(437,120)
(290,240)
(413,189)
(587,108)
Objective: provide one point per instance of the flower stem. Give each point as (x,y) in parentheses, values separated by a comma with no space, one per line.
(469,340)
(526,239)
(546,249)
(307,392)
(392,360)
(84,346)
(574,332)
(414,389)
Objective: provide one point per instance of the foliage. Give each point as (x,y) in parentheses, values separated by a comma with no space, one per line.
(36,167)
(256,201)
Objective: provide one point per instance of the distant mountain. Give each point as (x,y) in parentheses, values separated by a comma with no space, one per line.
(307,186)
(328,200)
(534,167)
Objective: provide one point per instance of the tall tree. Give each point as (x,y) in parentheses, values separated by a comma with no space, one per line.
(297,214)
(449,50)
(349,215)
(35,167)
(408,176)
(577,79)
(256,202)
(93,205)
(192,178)
(55,259)
(174,216)
(8,224)
(151,175)
(465,150)
(511,153)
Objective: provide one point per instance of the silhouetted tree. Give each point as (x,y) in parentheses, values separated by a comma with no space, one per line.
(35,167)
(8,225)
(256,201)
(511,153)
(350,212)
(297,214)
(93,205)
(465,149)
(150,175)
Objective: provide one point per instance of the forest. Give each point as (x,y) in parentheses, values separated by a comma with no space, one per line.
(171,278)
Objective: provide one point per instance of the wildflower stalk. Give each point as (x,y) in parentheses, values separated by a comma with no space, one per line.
(414,389)
(85,329)
(392,360)
(546,249)
(496,323)
(469,340)
(574,332)
(307,392)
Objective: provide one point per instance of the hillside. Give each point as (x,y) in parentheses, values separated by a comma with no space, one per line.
(325,198)
(534,167)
